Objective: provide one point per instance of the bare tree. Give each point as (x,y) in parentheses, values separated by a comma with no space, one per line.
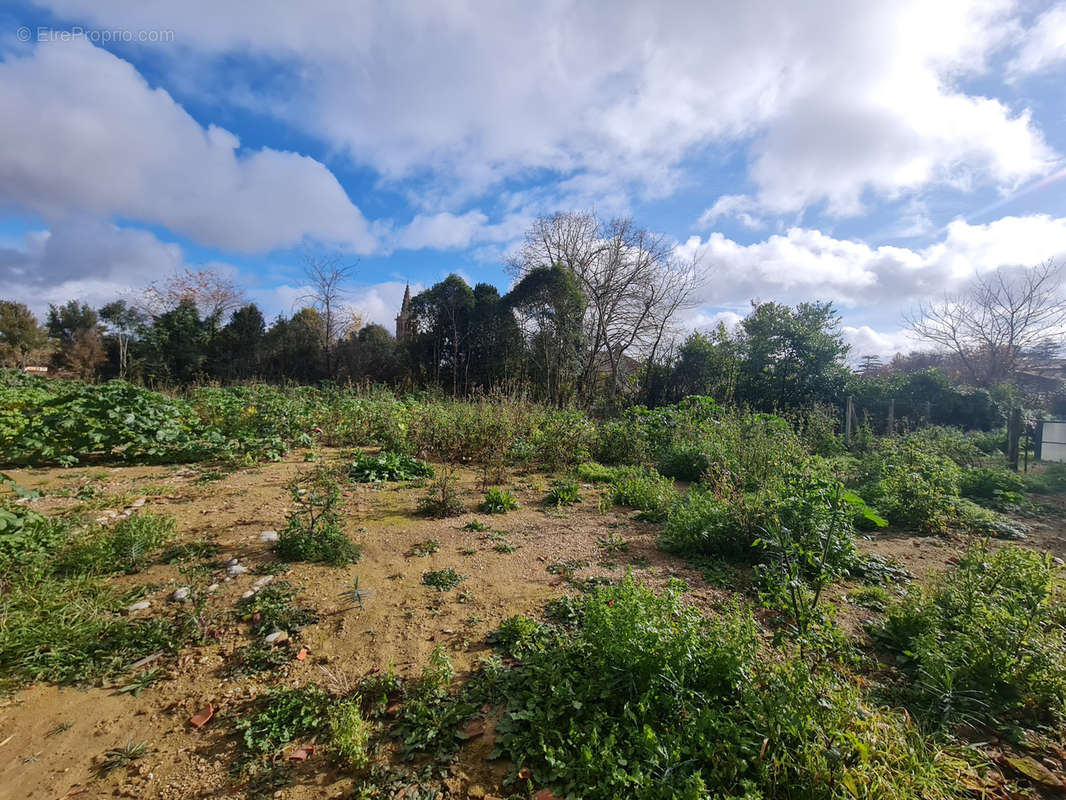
(213,293)
(1001,314)
(326,276)
(632,286)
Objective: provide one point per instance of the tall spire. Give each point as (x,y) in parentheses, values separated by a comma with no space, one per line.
(403,319)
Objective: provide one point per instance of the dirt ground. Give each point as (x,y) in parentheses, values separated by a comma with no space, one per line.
(400,623)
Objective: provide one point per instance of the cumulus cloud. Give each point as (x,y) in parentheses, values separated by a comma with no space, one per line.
(87,135)
(739,206)
(837,100)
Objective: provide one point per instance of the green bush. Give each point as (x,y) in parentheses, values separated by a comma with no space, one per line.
(591,472)
(271,609)
(704,524)
(645,490)
(1050,480)
(444,497)
(684,462)
(985,641)
(910,482)
(498,501)
(994,486)
(314,532)
(349,734)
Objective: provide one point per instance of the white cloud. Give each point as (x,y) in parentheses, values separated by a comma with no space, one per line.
(864,341)
(443,231)
(85,134)
(739,206)
(1044,45)
(805,264)
(837,100)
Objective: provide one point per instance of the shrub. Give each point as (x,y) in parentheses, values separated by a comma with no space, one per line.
(684,462)
(1051,480)
(705,524)
(645,490)
(314,531)
(985,640)
(387,466)
(563,493)
(910,482)
(349,734)
(430,713)
(444,497)
(994,486)
(498,501)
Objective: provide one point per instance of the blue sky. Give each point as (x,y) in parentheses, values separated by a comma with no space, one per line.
(870,154)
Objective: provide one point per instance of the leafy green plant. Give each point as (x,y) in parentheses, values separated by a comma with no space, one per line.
(910,482)
(985,641)
(284,715)
(314,532)
(272,609)
(349,734)
(430,713)
(388,466)
(141,681)
(684,462)
(444,498)
(498,501)
(255,657)
(443,580)
(613,544)
(995,487)
(476,526)
(591,472)
(563,493)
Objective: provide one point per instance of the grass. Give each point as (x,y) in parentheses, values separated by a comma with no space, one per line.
(422,549)
(128,546)
(349,734)
(121,757)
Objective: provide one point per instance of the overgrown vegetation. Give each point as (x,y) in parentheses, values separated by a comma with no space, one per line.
(387,466)
(315,529)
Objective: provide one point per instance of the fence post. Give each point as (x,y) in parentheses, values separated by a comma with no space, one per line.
(928,413)
(892,416)
(1014,432)
(849,413)
(1038,443)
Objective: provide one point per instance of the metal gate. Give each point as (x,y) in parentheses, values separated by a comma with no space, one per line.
(1051,440)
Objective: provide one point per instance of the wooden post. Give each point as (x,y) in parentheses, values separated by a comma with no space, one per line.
(1014,432)
(928,413)
(849,414)
(1038,444)
(892,416)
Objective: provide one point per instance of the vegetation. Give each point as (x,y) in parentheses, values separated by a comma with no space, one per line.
(443,580)
(498,501)
(388,467)
(314,532)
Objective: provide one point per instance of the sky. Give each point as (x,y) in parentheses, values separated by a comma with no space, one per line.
(869,154)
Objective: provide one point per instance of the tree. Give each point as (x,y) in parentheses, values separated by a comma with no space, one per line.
(210,291)
(994,320)
(441,318)
(707,364)
(177,343)
(296,346)
(369,354)
(20,334)
(238,347)
(549,304)
(791,357)
(76,328)
(628,278)
(326,276)
(123,323)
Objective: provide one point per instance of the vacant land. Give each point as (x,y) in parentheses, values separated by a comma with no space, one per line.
(357,622)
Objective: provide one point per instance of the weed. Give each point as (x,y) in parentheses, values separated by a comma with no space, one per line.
(646,490)
(126,547)
(875,598)
(62,727)
(422,549)
(355,594)
(467,551)
(121,757)
(314,532)
(271,609)
(284,715)
(476,526)
(199,550)
(444,498)
(566,568)
(563,493)
(349,734)
(505,547)
(431,714)
(591,472)
(255,657)
(141,682)
(613,544)
(443,580)
(498,501)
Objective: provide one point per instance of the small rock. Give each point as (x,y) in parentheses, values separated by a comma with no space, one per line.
(247,594)
(261,582)
(180,594)
(268,536)
(140,501)
(236,569)
(1058,561)
(141,606)
(232,562)
(212,588)
(277,636)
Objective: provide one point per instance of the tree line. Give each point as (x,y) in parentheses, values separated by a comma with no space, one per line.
(592,319)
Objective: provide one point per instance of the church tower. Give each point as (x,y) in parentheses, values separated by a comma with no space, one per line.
(403,321)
